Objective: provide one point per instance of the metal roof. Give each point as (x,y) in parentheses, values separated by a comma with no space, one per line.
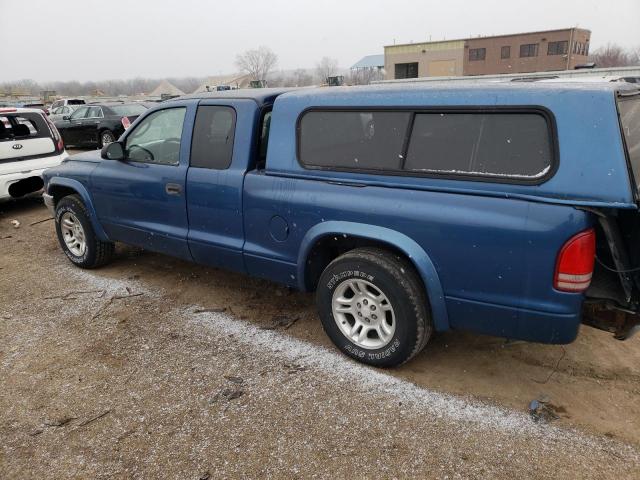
(370,61)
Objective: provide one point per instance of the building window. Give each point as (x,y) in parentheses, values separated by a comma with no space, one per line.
(529,50)
(477,54)
(406,70)
(505,52)
(558,48)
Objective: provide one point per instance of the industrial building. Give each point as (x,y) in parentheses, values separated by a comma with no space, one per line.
(549,50)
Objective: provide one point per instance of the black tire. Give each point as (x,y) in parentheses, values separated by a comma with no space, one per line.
(106,137)
(97,252)
(396,278)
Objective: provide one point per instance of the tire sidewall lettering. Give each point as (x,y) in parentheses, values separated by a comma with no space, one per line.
(338,278)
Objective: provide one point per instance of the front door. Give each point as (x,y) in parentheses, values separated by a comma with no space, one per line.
(88,129)
(141,200)
(70,128)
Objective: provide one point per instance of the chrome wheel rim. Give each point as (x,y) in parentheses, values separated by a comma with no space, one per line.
(107,138)
(363,314)
(73,234)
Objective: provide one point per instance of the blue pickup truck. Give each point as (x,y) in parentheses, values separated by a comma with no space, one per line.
(509,210)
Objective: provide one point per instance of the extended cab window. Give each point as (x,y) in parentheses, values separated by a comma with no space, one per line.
(515,145)
(371,140)
(630,120)
(156,139)
(213,133)
(490,144)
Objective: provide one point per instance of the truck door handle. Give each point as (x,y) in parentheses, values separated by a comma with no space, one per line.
(173,188)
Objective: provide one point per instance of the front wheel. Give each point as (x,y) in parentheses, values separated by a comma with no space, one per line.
(77,237)
(373,306)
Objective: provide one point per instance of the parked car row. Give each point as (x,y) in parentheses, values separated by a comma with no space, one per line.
(97,124)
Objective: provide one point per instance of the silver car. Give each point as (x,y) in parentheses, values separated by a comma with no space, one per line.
(60,112)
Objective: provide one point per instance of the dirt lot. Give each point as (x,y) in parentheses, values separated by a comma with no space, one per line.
(156,368)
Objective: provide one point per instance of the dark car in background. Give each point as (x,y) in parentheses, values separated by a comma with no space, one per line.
(98,124)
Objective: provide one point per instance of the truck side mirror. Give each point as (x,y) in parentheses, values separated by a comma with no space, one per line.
(112,151)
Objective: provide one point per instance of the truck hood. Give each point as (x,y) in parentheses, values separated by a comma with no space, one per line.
(92,156)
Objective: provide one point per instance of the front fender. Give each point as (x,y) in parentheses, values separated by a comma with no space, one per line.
(409,247)
(80,189)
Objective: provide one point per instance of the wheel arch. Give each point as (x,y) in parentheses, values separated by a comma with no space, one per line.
(371,235)
(59,188)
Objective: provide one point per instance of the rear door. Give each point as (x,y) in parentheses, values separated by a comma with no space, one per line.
(24,136)
(141,200)
(88,129)
(221,151)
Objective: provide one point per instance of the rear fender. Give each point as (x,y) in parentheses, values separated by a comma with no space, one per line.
(409,247)
(80,189)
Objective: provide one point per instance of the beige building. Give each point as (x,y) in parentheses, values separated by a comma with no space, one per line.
(430,59)
(519,53)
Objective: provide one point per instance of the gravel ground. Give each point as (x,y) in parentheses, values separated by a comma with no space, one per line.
(155,368)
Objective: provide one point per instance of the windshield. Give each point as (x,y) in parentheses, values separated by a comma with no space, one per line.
(132,110)
(75,102)
(630,120)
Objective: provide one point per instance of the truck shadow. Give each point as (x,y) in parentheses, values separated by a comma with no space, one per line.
(591,381)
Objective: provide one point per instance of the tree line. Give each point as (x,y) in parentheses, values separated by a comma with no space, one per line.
(260,64)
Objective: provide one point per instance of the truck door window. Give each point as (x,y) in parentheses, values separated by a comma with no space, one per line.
(213,134)
(156,139)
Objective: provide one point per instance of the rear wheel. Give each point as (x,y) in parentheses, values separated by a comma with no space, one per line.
(373,306)
(77,237)
(106,137)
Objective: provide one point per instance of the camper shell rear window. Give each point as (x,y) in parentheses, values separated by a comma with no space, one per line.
(511,144)
(629,108)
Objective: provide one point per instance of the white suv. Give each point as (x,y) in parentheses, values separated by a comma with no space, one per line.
(29,143)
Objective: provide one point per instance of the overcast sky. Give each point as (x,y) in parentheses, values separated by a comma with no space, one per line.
(97,40)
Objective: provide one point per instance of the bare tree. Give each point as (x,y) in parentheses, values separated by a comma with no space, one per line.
(635,55)
(364,76)
(302,78)
(612,55)
(326,67)
(257,63)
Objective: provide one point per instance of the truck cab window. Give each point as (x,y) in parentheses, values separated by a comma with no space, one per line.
(213,134)
(263,141)
(157,138)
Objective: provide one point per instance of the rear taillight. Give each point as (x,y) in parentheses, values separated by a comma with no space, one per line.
(574,267)
(57,138)
(125,122)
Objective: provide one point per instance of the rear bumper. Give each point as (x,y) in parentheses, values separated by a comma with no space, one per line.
(9,179)
(514,323)
(10,173)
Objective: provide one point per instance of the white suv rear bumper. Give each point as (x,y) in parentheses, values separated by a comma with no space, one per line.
(12,172)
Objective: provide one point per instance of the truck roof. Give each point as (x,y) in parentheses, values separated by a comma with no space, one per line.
(476,88)
(260,95)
